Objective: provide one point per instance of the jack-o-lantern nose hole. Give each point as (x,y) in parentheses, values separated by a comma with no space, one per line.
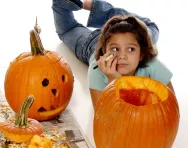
(42,109)
(45,82)
(55,92)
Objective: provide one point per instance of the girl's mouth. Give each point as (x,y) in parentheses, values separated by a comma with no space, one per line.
(122,65)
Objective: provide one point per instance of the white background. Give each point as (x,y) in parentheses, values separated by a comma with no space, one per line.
(18,18)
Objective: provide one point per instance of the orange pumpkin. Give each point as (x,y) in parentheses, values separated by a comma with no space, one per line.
(43,73)
(21,129)
(136,112)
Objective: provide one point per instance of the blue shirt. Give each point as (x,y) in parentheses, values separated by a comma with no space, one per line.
(155,70)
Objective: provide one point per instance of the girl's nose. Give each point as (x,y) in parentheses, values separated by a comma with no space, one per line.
(123,55)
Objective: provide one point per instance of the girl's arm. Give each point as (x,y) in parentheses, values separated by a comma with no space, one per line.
(171,87)
(97,82)
(95,94)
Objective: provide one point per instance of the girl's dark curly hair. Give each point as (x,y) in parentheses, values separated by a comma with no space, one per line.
(123,24)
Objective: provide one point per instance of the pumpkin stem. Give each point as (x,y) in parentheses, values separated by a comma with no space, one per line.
(21,119)
(35,41)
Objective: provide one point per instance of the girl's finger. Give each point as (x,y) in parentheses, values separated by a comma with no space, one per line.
(109,57)
(101,64)
(110,60)
(114,62)
(106,56)
(102,59)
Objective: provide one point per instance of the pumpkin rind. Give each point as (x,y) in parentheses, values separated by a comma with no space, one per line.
(123,125)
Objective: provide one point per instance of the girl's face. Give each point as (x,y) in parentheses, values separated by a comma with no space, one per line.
(127,50)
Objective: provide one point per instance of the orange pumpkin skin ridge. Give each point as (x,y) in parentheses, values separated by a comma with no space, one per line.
(124,125)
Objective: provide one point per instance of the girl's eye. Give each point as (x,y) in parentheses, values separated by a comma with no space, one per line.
(131,49)
(114,49)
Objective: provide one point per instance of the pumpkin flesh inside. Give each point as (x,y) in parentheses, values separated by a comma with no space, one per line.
(139,97)
(140,91)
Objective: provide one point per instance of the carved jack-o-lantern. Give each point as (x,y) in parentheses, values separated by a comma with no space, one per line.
(136,112)
(43,74)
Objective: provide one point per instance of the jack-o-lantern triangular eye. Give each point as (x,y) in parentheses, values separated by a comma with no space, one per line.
(63,78)
(45,82)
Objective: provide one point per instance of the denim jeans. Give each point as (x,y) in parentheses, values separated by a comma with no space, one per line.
(81,40)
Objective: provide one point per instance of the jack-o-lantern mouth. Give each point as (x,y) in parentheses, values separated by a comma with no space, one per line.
(44,112)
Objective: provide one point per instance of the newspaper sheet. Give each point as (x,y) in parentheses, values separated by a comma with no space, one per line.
(64,131)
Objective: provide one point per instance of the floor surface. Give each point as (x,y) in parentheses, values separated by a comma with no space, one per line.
(18,18)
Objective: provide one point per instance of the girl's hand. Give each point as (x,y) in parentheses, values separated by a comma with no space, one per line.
(108,66)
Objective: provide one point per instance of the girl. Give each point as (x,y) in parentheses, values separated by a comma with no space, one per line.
(128,38)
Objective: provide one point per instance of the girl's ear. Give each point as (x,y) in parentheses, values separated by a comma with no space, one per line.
(141,56)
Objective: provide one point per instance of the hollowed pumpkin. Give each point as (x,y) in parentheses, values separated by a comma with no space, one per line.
(136,112)
(43,73)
